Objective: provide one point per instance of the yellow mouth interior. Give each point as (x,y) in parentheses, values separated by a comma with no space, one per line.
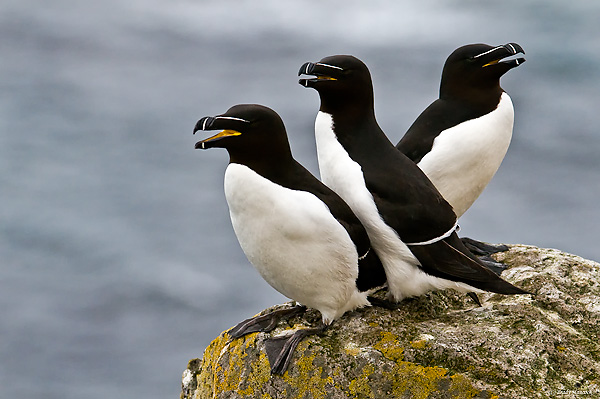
(325,78)
(491,63)
(224,133)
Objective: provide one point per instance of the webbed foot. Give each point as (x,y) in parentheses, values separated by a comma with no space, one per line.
(383,303)
(280,349)
(481,248)
(475,298)
(264,323)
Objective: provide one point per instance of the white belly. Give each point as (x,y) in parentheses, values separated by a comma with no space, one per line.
(294,242)
(344,176)
(464,158)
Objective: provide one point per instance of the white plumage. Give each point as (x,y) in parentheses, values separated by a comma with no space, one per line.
(294,242)
(465,157)
(344,176)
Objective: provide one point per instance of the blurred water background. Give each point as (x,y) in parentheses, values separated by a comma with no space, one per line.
(118,262)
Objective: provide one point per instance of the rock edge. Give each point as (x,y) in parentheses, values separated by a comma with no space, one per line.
(440,345)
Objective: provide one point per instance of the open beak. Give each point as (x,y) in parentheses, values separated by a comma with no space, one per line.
(207,123)
(205,144)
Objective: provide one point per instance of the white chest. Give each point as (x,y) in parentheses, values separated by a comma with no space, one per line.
(343,175)
(464,158)
(292,240)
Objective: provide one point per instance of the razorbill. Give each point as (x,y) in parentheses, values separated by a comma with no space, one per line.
(460,140)
(411,226)
(301,237)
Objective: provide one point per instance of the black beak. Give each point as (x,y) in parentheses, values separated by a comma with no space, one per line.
(229,126)
(494,57)
(514,48)
(306,69)
(204,124)
(320,73)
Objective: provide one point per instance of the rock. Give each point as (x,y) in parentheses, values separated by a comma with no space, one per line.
(437,346)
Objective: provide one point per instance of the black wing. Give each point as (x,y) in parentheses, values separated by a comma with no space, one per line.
(437,117)
(449,259)
(406,198)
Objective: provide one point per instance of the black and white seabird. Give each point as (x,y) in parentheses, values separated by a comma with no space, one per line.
(301,237)
(411,226)
(460,140)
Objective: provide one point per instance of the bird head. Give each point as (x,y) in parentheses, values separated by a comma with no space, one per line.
(339,79)
(478,67)
(247,132)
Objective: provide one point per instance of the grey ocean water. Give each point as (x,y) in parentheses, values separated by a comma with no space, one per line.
(117,259)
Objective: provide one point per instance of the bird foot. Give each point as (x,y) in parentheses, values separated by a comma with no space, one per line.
(280,349)
(475,298)
(264,323)
(481,248)
(496,267)
(383,303)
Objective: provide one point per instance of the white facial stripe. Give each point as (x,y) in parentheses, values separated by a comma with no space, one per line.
(489,51)
(232,118)
(330,66)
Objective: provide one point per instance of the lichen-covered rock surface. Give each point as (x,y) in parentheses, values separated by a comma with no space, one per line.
(440,345)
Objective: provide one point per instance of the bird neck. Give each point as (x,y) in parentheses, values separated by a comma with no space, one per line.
(479,95)
(356,103)
(357,128)
(264,160)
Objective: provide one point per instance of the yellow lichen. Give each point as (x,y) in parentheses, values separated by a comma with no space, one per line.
(360,387)
(352,349)
(235,372)
(309,383)
(419,344)
(389,346)
(227,367)
(232,370)
(461,387)
(418,380)
(210,363)
(258,377)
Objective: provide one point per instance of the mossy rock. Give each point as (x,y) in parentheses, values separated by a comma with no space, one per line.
(440,345)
